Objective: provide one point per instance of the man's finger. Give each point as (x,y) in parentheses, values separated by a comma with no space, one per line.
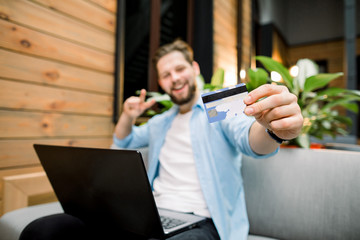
(283,112)
(149,103)
(288,123)
(270,102)
(263,91)
(142,95)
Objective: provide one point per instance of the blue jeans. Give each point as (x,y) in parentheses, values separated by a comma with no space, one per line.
(63,226)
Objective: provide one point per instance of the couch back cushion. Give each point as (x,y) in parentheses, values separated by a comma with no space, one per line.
(304,194)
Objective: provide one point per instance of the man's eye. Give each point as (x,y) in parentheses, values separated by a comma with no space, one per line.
(165,76)
(180,69)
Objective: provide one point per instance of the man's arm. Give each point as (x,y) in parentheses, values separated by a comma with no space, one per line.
(260,141)
(133,107)
(277,111)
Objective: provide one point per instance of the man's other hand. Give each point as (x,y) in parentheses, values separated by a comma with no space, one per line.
(275,108)
(135,106)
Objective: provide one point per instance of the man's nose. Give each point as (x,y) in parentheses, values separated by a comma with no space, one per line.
(175,76)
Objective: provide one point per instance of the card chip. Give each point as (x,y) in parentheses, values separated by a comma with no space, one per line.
(212,113)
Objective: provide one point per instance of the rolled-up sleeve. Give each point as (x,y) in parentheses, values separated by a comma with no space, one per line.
(138,138)
(237,130)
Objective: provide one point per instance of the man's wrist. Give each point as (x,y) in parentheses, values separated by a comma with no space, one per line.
(128,117)
(273,136)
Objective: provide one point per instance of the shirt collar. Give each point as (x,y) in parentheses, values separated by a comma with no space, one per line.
(199,103)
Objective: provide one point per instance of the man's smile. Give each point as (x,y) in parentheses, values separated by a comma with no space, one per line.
(178,88)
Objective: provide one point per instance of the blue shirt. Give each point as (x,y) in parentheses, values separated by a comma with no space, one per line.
(217,149)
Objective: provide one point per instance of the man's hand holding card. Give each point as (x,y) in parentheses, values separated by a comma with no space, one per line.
(277,110)
(273,106)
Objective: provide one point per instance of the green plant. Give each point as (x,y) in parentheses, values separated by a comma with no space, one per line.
(163,100)
(319,104)
(217,81)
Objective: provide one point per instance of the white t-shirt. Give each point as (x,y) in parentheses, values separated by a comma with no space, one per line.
(177,187)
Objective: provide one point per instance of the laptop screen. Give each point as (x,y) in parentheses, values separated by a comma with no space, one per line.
(105,188)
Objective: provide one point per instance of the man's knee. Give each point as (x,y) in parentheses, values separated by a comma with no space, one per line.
(57,226)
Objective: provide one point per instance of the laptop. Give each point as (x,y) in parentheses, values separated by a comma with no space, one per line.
(109,189)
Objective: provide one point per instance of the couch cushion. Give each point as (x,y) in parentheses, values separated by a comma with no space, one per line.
(253,237)
(12,223)
(304,194)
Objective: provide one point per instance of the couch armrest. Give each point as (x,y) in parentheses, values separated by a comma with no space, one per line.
(26,189)
(12,223)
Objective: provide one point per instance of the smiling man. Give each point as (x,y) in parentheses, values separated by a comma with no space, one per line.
(194,166)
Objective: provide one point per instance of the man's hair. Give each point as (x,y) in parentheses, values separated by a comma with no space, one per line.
(177,45)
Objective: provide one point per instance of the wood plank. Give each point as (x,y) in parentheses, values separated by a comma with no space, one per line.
(16,124)
(22,67)
(226,6)
(227,11)
(19,95)
(110,5)
(224,39)
(20,189)
(317,51)
(99,16)
(224,25)
(12,195)
(226,54)
(28,41)
(14,153)
(10,172)
(50,21)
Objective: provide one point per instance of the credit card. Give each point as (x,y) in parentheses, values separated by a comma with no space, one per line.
(225,103)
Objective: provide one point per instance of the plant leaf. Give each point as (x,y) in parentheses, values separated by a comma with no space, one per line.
(342,131)
(303,140)
(159,97)
(211,87)
(319,81)
(344,101)
(151,94)
(353,107)
(257,77)
(218,77)
(272,65)
(166,103)
(344,119)
(332,91)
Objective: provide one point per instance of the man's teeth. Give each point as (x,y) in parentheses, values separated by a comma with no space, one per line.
(178,87)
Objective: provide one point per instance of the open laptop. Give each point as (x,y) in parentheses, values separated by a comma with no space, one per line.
(109,189)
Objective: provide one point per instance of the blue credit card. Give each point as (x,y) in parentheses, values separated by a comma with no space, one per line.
(225,103)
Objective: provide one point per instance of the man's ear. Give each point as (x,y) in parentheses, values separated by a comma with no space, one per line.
(196,67)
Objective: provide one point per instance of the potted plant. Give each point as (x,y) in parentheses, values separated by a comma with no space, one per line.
(316,100)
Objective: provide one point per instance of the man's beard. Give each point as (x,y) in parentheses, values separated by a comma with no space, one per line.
(187,99)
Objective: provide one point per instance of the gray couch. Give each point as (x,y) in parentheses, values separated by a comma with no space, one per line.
(297,194)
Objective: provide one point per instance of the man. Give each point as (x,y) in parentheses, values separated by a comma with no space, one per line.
(194,166)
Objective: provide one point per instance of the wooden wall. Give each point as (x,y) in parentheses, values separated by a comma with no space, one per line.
(331,51)
(56,77)
(248,50)
(225,36)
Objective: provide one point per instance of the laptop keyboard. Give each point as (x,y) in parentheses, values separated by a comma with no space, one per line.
(169,222)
